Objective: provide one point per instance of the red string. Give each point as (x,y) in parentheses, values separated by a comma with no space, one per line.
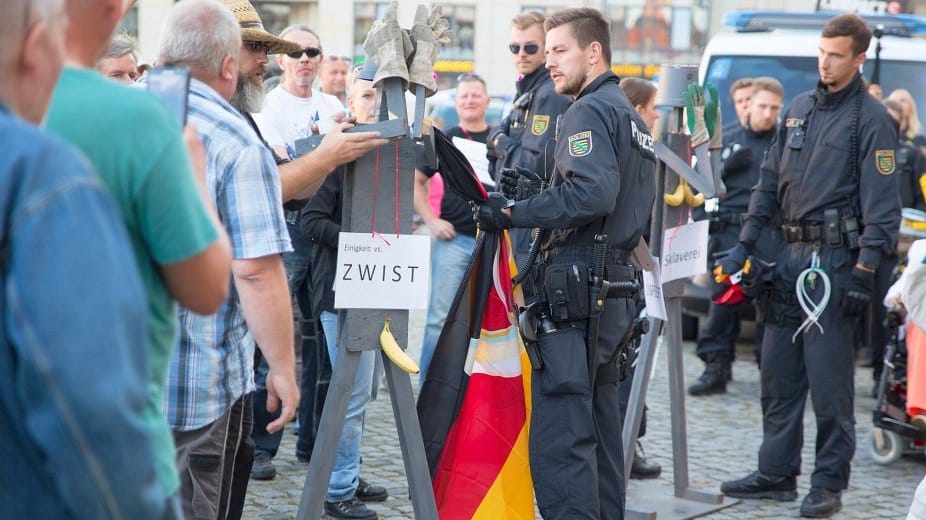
(375,192)
(396,201)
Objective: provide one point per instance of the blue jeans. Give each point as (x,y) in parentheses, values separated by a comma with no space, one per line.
(449,259)
(346,473)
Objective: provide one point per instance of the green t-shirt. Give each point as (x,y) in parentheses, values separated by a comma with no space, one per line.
(139,153)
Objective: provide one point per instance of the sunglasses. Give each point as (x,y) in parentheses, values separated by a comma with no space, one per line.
(310,52)
(470,75)
(258,47)
(530,48)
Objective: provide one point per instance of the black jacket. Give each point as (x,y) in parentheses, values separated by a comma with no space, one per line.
(808,168)
(320,222)
(606,161)
(524,133)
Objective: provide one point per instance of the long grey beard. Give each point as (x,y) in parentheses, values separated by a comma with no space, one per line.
(248,97)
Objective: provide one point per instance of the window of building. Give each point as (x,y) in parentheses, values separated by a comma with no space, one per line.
(130,22)
(365,13)
(647,33)
(462,20)
(274,15)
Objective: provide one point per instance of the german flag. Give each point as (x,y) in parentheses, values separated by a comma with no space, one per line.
(474,407)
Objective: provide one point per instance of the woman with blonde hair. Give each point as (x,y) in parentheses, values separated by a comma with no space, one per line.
(910,126)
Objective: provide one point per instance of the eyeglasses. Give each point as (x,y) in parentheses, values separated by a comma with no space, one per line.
(311,52)
(258,47)
(470,76)
(530,48)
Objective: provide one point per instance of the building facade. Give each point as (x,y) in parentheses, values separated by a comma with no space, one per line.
(645,33)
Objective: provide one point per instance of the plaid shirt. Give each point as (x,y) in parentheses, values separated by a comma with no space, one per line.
(214,363)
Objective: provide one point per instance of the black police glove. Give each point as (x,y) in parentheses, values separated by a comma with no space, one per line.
(730,261)
(519,183)
(756,276)
(736,158)
(489,216)
(858,292)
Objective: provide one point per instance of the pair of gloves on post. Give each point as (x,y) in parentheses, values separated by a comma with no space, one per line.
(516,184)
(408,55)
(854,302)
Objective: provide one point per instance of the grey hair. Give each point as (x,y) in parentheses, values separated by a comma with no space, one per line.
(121,45)
(301,28)
(199,34)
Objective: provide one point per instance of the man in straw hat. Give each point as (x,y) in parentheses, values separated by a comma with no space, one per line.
(299,178)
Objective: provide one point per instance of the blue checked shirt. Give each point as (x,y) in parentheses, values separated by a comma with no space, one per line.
(214,363)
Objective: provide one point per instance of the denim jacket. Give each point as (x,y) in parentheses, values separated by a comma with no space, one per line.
(72,341)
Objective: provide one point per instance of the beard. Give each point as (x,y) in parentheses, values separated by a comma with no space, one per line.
(249,96)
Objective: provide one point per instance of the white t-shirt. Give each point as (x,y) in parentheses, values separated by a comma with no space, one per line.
(286,117)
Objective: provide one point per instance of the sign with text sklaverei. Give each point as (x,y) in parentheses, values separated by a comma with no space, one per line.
(382,271)
(684,251)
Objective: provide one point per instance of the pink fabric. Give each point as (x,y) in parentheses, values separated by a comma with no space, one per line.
(435,193)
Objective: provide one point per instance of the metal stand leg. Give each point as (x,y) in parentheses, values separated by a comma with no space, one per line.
(329,431)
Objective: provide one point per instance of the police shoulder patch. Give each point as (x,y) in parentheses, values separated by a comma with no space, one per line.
(884,160)
(580,144)
(539,124)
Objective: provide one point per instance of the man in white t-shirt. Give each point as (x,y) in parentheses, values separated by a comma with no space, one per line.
(293,108)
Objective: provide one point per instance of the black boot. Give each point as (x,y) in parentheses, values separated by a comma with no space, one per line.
(642,468)
(714,378)
(760,485)
(821,503)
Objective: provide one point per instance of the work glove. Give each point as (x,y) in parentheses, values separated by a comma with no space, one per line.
(489,216)
(519,183)
(694,111)
(389,46)
(736,158)
(730,261)
(429,33)
(858,292)
(713,118)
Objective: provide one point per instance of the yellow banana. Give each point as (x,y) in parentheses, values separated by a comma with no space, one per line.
(394,351)
(691,199)
(675,199)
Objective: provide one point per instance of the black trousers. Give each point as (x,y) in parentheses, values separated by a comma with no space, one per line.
(821,363)
(576,456)
(717,338)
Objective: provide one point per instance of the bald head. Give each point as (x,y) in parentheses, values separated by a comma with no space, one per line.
(31,54)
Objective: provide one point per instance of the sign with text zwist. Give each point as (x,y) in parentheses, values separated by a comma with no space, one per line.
(382,271)
(684,251)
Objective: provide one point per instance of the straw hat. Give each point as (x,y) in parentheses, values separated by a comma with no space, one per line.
(252,29)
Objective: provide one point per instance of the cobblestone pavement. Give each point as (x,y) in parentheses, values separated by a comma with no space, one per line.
(724,433)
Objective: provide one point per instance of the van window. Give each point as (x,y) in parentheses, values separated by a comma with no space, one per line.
(799,74)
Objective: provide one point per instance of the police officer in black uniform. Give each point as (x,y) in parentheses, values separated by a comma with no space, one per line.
(830,175)
(604,186)
(524,139)
(744,148)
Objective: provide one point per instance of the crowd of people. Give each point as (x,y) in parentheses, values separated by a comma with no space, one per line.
(170,259)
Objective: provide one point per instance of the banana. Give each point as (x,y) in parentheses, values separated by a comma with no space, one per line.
(394,351)
(691,199)
(675,199)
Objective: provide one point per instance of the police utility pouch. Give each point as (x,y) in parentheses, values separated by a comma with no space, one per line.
(565,365)
(565,290)
(831,228)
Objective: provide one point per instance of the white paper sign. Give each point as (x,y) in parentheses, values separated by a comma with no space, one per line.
(652,292)
(684,251)
(382,271)
(475,153)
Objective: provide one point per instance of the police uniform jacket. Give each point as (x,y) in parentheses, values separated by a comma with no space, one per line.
(740,178)
(808,168)
(606,162)
(524,134)
(911,165)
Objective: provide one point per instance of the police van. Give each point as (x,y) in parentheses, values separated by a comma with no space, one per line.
(784,45)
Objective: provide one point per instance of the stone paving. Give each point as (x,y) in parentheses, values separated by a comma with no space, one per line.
(724,432)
